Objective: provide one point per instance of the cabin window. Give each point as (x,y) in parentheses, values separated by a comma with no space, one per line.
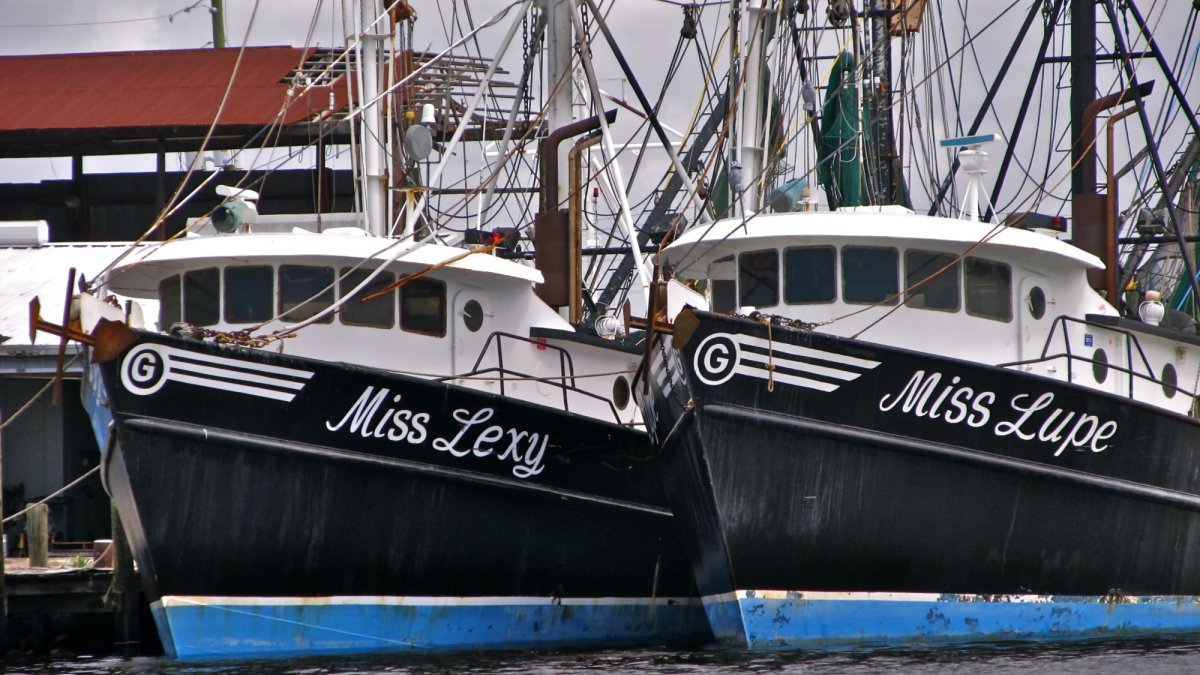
(202,297)
(989,289)
(870,274)
(423,306)
(758,278)
(170,295)
(377,312)
(248,294)
(931,281)
(304,291)
(810,274)
(723,286)
(724,295)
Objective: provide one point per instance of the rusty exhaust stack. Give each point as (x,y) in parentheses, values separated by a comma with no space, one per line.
(552,235)
(1093,231)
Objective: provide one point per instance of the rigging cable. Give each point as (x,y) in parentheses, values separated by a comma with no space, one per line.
(167,208)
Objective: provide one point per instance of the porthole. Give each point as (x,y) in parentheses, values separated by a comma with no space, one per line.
(1170,380)
(1100,366)
(473,315)
(1037,302)
(621,393)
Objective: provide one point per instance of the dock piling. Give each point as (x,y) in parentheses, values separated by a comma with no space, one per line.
(124,590)
(3,555)
(37,534)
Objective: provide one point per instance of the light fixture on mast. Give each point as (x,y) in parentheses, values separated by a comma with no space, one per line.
(972,161)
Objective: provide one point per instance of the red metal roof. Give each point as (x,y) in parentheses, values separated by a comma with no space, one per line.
(56,98)
(123,102)
(165,101)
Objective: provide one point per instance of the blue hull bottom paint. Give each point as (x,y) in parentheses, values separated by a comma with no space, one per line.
(795,620)
(236,627)
(95,404)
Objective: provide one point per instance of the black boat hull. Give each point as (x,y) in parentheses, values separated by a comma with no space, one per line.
(894,472)
(375,512)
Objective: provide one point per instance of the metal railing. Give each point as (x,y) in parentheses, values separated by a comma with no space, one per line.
(565,381)
(1131,345)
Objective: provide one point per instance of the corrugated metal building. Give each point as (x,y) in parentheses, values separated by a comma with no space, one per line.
(66,105)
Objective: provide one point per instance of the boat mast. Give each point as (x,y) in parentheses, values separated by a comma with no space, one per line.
(373,152)
(1083,87)
(733,153)
(625,216)
(879,99)
(1094,213)
(560,39)
(750,150)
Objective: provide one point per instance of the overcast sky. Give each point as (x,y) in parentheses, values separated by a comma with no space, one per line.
(648,30)
(80,26)
(65,26)
(26,27)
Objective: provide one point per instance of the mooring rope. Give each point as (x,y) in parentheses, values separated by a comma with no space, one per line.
(770,356)
(61,490)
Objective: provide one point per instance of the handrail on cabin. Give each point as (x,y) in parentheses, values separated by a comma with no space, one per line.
(566,367)
(1131,342)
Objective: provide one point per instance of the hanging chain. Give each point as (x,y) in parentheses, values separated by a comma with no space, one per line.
(528,54)
(585,42)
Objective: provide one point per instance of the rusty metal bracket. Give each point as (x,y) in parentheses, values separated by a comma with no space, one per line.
(37,323)
(107,340)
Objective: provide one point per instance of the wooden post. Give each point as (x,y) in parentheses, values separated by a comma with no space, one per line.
(83,210)
(124,591)
(160,186)
(3,555)
(37,533)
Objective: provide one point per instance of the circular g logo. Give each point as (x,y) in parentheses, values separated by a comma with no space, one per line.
(144,370)
(716,358)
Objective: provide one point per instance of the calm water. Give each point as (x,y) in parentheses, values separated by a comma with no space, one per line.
(1091,658)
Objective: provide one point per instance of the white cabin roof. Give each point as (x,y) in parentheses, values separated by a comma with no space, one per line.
(138,274)
(41,271)
(875,223)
